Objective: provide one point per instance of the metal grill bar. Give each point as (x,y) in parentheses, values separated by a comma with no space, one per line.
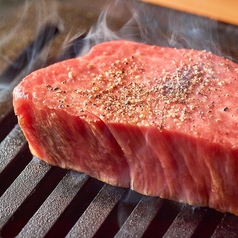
(21,188)
(11,146)
(97,212)
(186,222)
(228,228)
(54,205)
(140,218)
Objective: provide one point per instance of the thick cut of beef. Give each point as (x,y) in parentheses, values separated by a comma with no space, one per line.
(160,121)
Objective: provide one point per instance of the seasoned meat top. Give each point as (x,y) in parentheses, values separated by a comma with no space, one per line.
(188,91)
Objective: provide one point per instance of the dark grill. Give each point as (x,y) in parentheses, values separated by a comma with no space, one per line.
(38,200)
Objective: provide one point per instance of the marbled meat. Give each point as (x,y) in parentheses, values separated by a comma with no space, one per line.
(161,121)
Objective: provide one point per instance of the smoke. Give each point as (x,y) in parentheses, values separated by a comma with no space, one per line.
(5,38)
(119,19)
(24,32)
(150,24)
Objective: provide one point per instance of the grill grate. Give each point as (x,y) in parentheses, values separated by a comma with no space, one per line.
(44,201)
(38,200)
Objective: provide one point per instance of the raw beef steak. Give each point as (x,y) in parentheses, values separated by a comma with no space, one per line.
(160,121)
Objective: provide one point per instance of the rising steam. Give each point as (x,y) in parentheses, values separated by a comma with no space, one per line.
(119,19)
(21,37)
(150,24)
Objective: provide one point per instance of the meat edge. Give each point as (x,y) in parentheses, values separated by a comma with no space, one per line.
(179,167)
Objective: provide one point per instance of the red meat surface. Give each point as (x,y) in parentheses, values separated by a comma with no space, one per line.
(160,121)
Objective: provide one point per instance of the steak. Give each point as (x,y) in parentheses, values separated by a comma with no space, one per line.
(160,121)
